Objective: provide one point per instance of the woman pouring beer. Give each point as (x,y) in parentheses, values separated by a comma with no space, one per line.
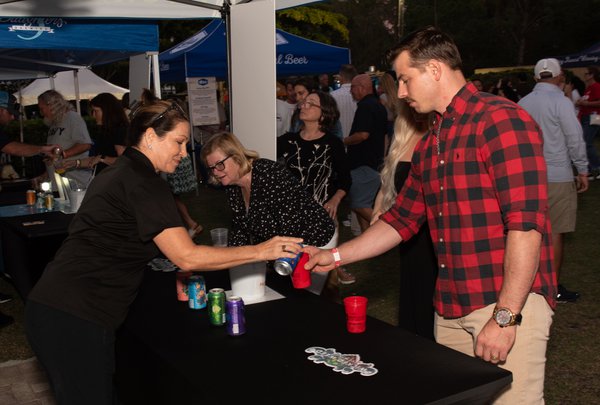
(128,217)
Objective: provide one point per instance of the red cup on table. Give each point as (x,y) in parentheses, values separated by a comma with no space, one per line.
(356,313)
(301,276)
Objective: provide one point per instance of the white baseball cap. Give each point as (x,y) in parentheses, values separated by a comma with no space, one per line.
(549,65)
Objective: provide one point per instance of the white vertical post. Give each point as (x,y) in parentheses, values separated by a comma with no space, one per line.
(253,76)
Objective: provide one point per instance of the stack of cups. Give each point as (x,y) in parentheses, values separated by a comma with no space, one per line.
(182,285)
(356,313)
(219,236)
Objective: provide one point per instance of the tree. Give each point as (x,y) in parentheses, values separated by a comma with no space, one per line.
(373,27)
(316,23)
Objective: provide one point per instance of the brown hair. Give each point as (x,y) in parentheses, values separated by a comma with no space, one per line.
(426,44)
(161,115)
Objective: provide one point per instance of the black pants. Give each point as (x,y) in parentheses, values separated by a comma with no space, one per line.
(77,355)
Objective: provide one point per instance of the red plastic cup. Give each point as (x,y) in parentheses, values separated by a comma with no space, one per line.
(301,276)
(356,313)
(182,285)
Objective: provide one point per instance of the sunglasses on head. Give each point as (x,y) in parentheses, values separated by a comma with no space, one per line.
(174,106)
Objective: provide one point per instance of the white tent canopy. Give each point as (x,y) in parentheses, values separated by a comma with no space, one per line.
(150,9)
(90,85)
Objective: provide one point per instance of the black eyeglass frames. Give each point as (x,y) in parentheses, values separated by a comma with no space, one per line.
(220,165)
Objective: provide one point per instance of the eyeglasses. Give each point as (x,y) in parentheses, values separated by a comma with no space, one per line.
(307,104)
(174,106)
(220,165)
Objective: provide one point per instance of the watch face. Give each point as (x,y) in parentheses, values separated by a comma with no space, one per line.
(503,317)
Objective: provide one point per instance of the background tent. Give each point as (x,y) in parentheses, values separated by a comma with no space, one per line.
(55,44)
(587,57)
(89,86)
(205,54)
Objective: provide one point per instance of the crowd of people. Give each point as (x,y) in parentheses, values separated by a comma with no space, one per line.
(476,188)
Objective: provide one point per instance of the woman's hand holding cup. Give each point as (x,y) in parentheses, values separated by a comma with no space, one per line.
(280,246)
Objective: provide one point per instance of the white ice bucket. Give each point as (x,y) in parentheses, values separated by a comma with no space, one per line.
(248,280)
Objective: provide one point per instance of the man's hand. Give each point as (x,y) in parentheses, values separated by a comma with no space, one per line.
(493,342)
(320,259)
(582,182)
(47,150)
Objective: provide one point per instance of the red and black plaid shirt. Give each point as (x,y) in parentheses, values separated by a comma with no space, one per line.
(488,178)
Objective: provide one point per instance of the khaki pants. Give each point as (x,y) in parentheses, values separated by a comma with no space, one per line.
(527,358)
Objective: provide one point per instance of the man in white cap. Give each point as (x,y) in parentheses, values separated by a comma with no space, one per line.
(564,147)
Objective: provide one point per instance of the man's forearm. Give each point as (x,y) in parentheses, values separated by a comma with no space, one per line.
(377,239)
(21,149)
(76,149)
(521,261)
(356,138)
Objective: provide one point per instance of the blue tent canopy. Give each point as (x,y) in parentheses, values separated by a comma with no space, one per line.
(56,44)
(587,57)
(205,55)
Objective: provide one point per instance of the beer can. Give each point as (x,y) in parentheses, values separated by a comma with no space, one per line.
(197,292)
(216,306)
(49,201)
(236,321)
(57,152)
(30,197)
(285,266)
(181,285)
(39,201)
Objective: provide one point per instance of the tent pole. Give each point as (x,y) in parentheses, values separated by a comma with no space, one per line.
(21,132)
(193,144)
(76,85)
(226,15)
(155,73)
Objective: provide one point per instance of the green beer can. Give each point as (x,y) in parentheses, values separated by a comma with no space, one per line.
(216,306)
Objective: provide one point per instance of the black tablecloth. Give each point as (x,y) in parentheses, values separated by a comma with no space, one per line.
(169,354)
(17,185)
(29,242)
(12,197)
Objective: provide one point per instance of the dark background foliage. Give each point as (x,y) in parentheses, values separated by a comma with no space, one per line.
(489,33)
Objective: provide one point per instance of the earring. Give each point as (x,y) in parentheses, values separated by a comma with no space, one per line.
(150,146)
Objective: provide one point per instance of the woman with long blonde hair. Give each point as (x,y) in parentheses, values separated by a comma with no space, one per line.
(418,262)
(388,96)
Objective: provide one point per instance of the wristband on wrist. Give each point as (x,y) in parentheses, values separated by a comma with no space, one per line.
(78,163)
(336,257)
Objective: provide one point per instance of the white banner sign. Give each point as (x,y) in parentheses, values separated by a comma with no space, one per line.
(202,97)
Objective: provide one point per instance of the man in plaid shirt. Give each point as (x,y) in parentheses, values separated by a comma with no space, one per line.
(479,179)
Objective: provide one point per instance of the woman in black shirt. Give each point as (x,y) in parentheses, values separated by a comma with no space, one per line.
(128,217)
(317,158)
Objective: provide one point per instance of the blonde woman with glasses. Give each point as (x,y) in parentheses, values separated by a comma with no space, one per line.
(264,197)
